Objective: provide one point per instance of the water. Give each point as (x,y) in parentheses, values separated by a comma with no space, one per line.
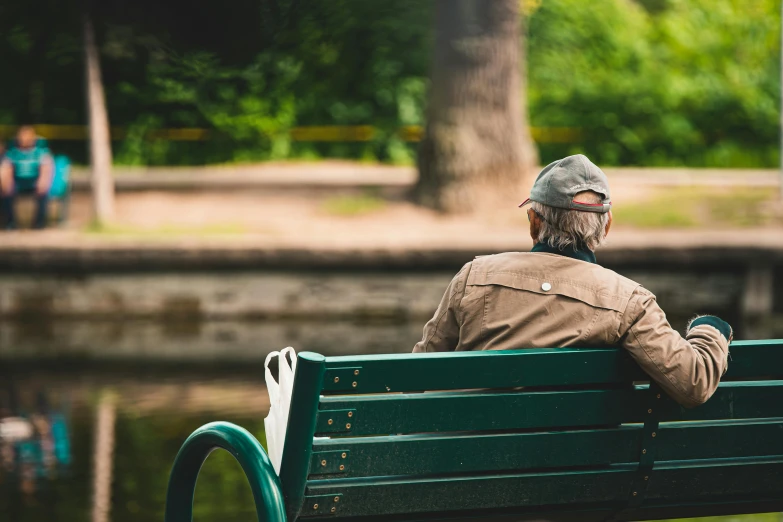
(154,414)
(160,394)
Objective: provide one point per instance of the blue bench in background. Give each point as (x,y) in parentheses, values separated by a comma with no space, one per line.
(60,189)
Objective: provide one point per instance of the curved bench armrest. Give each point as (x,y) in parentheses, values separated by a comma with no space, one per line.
(251,456)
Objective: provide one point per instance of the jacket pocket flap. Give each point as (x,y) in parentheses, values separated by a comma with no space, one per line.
(540,283)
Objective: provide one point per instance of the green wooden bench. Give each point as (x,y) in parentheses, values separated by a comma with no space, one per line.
(453,437)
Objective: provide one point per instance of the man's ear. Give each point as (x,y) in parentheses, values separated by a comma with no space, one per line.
(608,224)
(535,225)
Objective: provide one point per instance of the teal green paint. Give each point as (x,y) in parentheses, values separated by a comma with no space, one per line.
(491,369)
(512,368)
(420,495)
(250,455)
(553,453)
(298,449)
(711,484)
(449,412)
(433,454)
(720,440)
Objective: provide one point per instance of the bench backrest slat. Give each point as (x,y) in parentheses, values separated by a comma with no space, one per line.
(491,369)
(420,454)
(473,493)
(721,481)
(443,454)
(569,432)
(447,412)
(509,369)
(683,441)
(574,489)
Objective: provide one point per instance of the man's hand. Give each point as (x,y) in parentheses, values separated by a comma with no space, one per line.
(42,186)
(6,177)
(716,322)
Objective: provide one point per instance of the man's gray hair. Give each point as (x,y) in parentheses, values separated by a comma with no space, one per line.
(562,228)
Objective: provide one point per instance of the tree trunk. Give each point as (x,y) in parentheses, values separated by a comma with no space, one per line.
(100,139)
(477,150)
(780,173)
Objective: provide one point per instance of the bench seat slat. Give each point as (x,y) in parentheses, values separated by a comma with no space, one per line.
(452,412)
(759,482)
(433,454)
(485,492)
(508,369)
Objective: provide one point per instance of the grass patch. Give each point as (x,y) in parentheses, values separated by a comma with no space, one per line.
(166,231)
(690,207)
(761,517)
(653,215)
(354,205)
(744,208)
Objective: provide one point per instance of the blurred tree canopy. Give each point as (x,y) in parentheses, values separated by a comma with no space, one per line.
(648,82)
(686,82)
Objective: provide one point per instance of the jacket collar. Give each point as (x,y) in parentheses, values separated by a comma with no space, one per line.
(582,253)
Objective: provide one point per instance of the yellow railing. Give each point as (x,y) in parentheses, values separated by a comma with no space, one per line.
(330,133)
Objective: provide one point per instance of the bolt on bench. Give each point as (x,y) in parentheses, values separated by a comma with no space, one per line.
(540,434)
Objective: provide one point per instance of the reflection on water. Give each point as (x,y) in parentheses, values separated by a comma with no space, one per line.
(50,417)
(51,475)
(34,440)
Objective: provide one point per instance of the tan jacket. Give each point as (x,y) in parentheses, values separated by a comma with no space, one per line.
(539,300)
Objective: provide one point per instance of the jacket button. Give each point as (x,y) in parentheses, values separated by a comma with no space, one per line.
(546,287)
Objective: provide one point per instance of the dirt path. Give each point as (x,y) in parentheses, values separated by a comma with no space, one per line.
(254,207)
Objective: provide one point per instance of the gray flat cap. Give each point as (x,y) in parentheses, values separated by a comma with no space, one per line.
(563,179)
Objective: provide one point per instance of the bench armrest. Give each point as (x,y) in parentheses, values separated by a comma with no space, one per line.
(249,453)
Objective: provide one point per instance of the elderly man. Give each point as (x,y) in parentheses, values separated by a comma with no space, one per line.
(26,169)
(558,296)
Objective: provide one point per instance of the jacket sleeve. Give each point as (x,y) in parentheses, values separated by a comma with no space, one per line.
(688,369)
(441,333)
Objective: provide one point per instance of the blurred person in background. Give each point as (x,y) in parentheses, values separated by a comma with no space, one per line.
(558,296)
(26,168)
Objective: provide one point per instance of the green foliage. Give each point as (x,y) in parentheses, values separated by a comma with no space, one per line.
(693,83)
(147,446)
(326,64)
(649,82)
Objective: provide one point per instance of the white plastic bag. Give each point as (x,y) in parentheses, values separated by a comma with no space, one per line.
(280,403)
